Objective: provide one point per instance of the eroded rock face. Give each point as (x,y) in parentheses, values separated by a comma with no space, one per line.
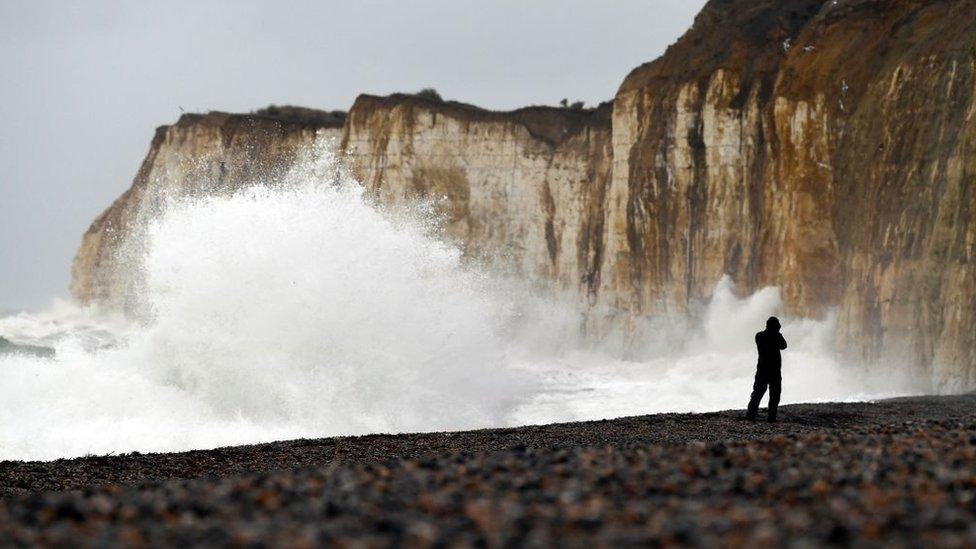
(823,147)
(828,148)
(200,154)
(526,189)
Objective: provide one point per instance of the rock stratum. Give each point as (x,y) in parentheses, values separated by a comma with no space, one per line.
(824,147)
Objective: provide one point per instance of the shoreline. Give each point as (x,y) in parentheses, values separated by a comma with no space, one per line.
(899,472)
(19,477)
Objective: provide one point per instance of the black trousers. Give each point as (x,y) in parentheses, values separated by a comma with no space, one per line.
(765,378)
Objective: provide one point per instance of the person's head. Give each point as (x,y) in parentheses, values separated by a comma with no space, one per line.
(772,324)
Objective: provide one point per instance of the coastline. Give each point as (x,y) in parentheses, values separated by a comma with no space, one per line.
(24,477)
(894,472)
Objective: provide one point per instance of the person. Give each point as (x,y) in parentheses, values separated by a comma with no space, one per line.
(769,343)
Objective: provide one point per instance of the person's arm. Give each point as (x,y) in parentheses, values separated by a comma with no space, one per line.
(782,342)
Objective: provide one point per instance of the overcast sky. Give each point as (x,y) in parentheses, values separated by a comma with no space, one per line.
(85,83)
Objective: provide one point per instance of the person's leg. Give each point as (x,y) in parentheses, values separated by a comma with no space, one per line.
(775,388)
(758,390)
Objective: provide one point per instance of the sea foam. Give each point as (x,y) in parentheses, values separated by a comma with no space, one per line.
(303,309)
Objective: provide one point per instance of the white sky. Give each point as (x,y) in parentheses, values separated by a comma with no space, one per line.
(84,84)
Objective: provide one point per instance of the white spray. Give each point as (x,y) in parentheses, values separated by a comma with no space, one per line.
(304,310)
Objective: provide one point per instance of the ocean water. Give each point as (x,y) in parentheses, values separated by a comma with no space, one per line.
(304,310)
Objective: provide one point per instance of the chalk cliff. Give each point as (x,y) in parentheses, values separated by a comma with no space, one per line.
(200,154)
(823,147)
(526,188)
(826,147)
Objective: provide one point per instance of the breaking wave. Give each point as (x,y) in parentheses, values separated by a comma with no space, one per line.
(302,309)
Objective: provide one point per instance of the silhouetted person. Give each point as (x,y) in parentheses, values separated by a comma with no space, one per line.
(769,343)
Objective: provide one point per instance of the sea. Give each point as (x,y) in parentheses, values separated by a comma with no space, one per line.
(304,309)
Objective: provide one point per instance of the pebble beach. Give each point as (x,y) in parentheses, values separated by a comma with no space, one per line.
(894,473)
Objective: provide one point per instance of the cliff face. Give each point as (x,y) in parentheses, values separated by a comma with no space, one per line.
(706,178)
(200,154)
(828,148)
(526,188)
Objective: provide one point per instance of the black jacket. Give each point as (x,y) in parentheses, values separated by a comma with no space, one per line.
(769,344)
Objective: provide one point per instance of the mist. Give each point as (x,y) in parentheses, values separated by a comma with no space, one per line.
(301,308)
